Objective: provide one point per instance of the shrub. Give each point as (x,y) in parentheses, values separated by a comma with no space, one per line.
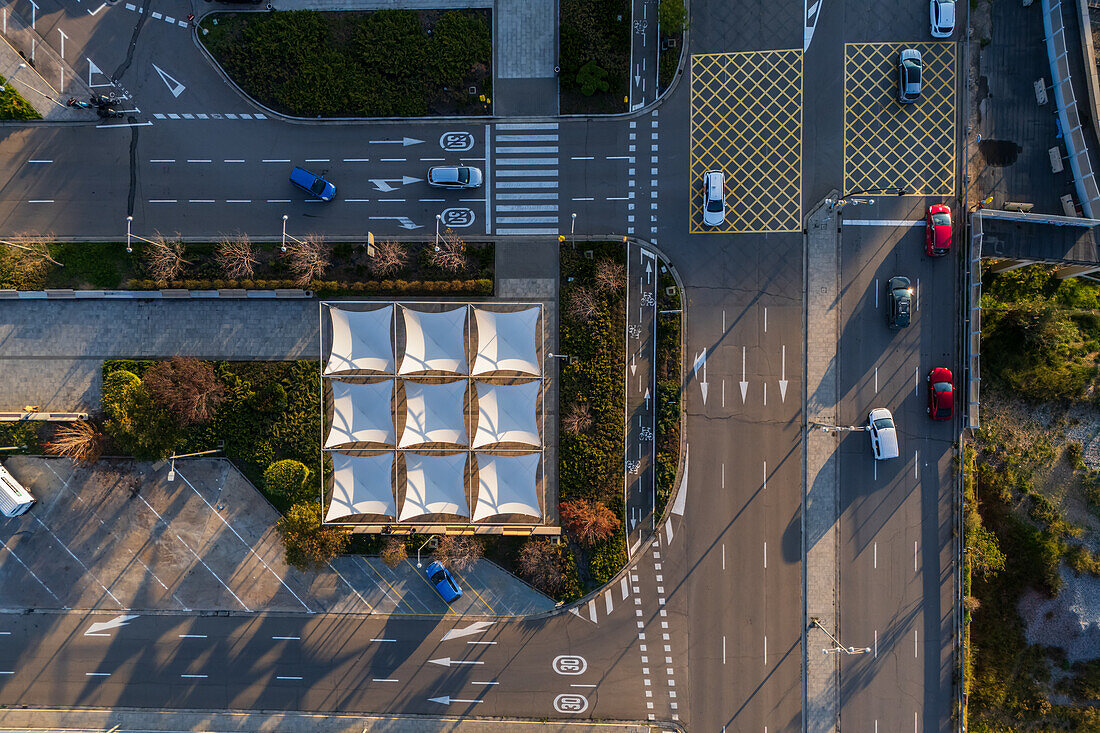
(1074,455)
(672,16)
(137,425)
(287,479)
(164,257)
(308,545)
(80,441)
(608,558)
(458,552)
(578,419)
(591,79)
(13,106)
(394,551)
(550,567)
(188,388)
(588,522)
(237,257)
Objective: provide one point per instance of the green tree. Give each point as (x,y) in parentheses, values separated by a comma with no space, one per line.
(672,16)
(137,425)
(592,78)
(288,479)
(986,558)
(307,543)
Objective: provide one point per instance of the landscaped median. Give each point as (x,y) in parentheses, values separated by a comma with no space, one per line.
(13,106)
(383,63)
(343,268)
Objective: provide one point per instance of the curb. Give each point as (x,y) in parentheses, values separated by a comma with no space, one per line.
(166,294)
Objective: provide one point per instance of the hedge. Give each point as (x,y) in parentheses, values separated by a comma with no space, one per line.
(325,287)
(13,106)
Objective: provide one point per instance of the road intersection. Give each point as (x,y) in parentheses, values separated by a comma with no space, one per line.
(707,627)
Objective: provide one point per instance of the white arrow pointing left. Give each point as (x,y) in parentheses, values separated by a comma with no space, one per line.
(448,662)
(475,628)
(448,700)
(99,627)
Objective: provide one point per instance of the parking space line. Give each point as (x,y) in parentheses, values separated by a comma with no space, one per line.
(351,587)
(33,575)
(212,573)
(400,596)
(480,597)
(247,545)
(86,569)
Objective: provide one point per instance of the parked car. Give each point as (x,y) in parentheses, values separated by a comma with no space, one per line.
(884,436)
(312,184)
(899,302)
(444,583)
(714,198)
(454,176)
(938,230)
(942,13)
(941,394)
(909,72)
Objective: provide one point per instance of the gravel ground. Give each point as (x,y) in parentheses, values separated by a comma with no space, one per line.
(1070,621)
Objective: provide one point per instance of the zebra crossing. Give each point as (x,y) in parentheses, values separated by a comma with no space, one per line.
(525,187)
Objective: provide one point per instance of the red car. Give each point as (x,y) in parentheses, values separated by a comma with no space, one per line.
(937,230)
(941,394)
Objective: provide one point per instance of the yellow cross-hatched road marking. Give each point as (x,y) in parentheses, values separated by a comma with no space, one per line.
(888,144)
(746,120)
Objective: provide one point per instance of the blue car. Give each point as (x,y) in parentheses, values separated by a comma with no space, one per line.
(441,578)
(312,184)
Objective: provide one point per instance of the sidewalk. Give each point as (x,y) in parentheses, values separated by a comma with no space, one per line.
(820,511)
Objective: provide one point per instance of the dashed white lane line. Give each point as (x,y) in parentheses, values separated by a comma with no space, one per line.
(199,160)
(475,682)
(39,161)
(278,201)
(356,160)
(192,636)
(162,201)
(384,640)
(478,643)
(163,160)
(376,679)
(97,674)
(194,676)
(273,160)
(233,160)
(7,672)
(392,160)
(238,201)
(287,638)
(40,201)
(288,678)
(317,160)
(200,201)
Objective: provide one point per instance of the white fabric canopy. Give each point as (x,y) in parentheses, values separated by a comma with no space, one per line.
(362,413)
(506,341)
(434,342)
(434,485)
(507,414)
(434,413)
(361,341)
(362,486)
(506,485)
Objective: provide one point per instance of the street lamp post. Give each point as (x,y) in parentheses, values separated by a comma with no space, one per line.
(418,564)
(838,648)
(573,230)
(172,460)
(438,219)
(129,249)
(567,357)
(282,247)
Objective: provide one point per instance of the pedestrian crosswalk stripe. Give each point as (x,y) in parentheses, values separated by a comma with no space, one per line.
(526,220)
(526,138)
(527,125)
(548,173)
(526,161)
(527,184)
(526,231)
(527,207)
(527,196)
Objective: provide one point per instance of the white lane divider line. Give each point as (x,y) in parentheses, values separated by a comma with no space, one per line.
(723,555)
(378,679)
(481,643)
(194,676)
(290,638)
(192,636)
(391,641)
(288,678)
(876,657)
(914,556)
(97,674)
(765,555)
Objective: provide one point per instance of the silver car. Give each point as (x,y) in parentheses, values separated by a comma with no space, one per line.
(909,71)
(454,176)
(942,14)
(714,198)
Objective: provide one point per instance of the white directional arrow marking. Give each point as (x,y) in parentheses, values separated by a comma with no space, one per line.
(448,662)
(783,377)
(448,700)
(403,142)
(383,184)
(115,623)
(173,86)
(647,398)
(701,359)
(633,366)
(744,384)
(475,628)
(404,221)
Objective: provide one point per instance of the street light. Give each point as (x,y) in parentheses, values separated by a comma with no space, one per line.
(567,357)
(838,648)
(282,247)
(129,249)
(172,459)
(418,564)
(438,218)
(572,231)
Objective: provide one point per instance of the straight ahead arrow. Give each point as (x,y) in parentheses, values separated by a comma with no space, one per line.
(646,398)
(100,626)
(783,377)
(744,384)
(403,142)
(633,366)
(448,662)
(701,360)
(448,700)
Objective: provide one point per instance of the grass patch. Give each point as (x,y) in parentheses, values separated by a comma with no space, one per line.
(594,35)
(385,63)
(13,106)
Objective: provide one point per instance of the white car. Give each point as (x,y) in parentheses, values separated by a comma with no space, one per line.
(884,435)
(454,176)
(942,13)
(714,198)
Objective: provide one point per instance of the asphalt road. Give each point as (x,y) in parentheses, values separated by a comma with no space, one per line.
(720,607)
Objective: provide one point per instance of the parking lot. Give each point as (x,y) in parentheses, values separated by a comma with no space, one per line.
(119,535)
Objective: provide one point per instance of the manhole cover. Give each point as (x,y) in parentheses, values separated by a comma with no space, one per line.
(999,152)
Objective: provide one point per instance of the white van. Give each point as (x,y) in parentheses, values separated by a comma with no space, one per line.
(14,499)
(884,435)
(714,198)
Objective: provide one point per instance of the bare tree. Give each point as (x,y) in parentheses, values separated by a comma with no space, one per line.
(578,420)
(164,257)
(237,257)
(30,255)
(451,255)
(79,441)
(610,276)
(543,564)
(389,257)
(971,604)
(458,552)
(582,304)
(394,551)
(588,522)
(189,388)
(309,258)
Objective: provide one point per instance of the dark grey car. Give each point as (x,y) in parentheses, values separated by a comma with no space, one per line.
(909,73)
(899,302)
